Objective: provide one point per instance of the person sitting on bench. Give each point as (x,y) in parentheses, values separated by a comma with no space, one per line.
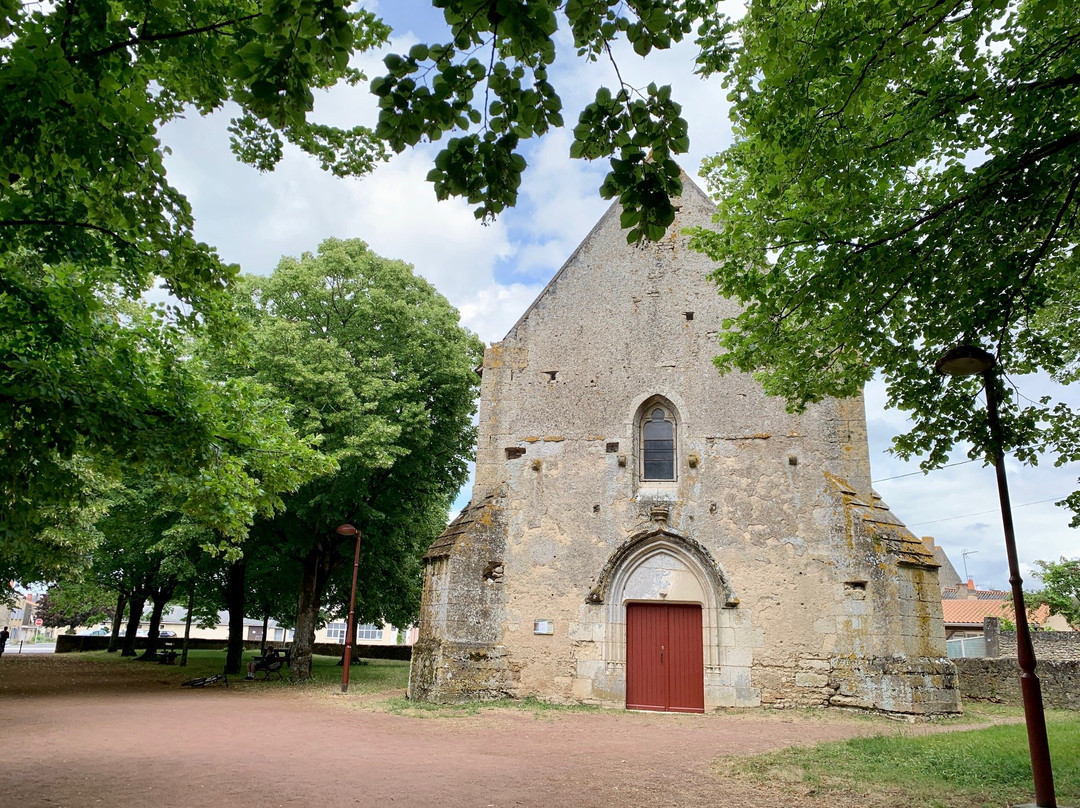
(269,661)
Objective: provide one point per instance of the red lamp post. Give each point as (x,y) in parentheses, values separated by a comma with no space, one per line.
(968,360)
(349,530)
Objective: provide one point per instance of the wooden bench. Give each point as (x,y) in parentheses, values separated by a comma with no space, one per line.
(168,654)
(274,664)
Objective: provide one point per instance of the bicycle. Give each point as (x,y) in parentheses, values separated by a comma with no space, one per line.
(203,681)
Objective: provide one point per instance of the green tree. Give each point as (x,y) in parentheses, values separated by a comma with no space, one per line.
(85,88)
(1060,588)
(115,388)
(905,179)
(373,362)
(74,604)
(88,220)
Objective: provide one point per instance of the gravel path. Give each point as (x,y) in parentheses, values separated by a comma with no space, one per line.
(79,733)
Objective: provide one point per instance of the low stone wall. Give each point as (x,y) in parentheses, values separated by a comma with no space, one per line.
(1049,646)
(400,652)
(75,643)
(71,643)
(998,680)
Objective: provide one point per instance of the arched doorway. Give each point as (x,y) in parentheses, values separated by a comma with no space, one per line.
(663,593)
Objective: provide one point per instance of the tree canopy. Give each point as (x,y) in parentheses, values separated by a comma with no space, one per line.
(109,387)
(1060,588)
(372,361)
(89,222)
(75,603)
(489,85)
(85,88)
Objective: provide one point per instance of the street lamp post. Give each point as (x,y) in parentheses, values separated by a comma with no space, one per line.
(349,530)
(967,360)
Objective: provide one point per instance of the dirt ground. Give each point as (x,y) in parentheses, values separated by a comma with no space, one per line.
(77,733)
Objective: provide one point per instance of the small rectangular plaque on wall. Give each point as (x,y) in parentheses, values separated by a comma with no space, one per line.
(543,627)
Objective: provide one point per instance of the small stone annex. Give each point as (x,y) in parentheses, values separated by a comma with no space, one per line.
(646,532)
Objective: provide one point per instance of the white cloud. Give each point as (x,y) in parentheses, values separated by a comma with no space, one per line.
(492,311)
(396,212)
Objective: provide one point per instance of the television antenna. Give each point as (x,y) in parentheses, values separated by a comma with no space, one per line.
(965,554)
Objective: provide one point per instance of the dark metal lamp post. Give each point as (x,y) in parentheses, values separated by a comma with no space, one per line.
(349,530)
(968,360)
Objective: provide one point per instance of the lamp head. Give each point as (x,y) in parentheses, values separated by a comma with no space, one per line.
(346,530)
(964,360)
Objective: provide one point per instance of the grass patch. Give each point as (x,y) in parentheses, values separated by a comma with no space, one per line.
(539,709)
(368,676)
(980,767)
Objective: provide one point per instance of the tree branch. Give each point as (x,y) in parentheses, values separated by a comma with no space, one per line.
(61,223)
(1039,253)
(144,37)
(1021,163)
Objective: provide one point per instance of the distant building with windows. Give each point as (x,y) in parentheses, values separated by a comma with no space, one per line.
(645,532)
(20,617)
(175,620)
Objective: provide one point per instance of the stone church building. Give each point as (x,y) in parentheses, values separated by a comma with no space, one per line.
(644,532)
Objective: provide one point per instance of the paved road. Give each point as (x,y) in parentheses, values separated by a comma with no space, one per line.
(29,648)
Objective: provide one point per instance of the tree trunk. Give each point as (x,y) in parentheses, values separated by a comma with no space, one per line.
(266,627)
(135,606)
(160,597)
(315,571)
(235,596)
(117,621)
(187,623)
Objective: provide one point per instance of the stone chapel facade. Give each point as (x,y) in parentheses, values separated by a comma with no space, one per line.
(645,532)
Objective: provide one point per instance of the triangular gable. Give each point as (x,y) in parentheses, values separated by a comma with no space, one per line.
(611,213)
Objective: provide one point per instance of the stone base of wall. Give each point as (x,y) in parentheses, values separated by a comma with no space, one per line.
(896,685)
(450,672)
(998,680)
(446,672)
(921,687)
(802,682)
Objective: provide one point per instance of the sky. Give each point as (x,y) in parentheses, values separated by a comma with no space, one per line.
(491,272)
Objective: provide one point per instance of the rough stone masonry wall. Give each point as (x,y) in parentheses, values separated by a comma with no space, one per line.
(996,677)
(998,680)
(1049,646)
(458,655)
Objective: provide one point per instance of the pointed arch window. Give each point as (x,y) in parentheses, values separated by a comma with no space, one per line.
(658,450)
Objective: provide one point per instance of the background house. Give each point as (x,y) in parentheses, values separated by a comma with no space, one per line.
(175,620)
(21,619)
(965,608)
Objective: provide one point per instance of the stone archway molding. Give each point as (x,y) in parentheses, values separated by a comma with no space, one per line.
(654,539)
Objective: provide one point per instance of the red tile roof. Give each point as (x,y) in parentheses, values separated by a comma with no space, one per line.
(972,612)
(962,592)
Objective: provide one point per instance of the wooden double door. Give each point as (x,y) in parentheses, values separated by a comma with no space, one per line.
(665,667)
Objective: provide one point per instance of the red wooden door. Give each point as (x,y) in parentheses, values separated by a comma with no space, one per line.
(664,658)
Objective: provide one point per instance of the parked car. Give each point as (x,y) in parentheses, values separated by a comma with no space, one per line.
(98,632)
(167,635)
